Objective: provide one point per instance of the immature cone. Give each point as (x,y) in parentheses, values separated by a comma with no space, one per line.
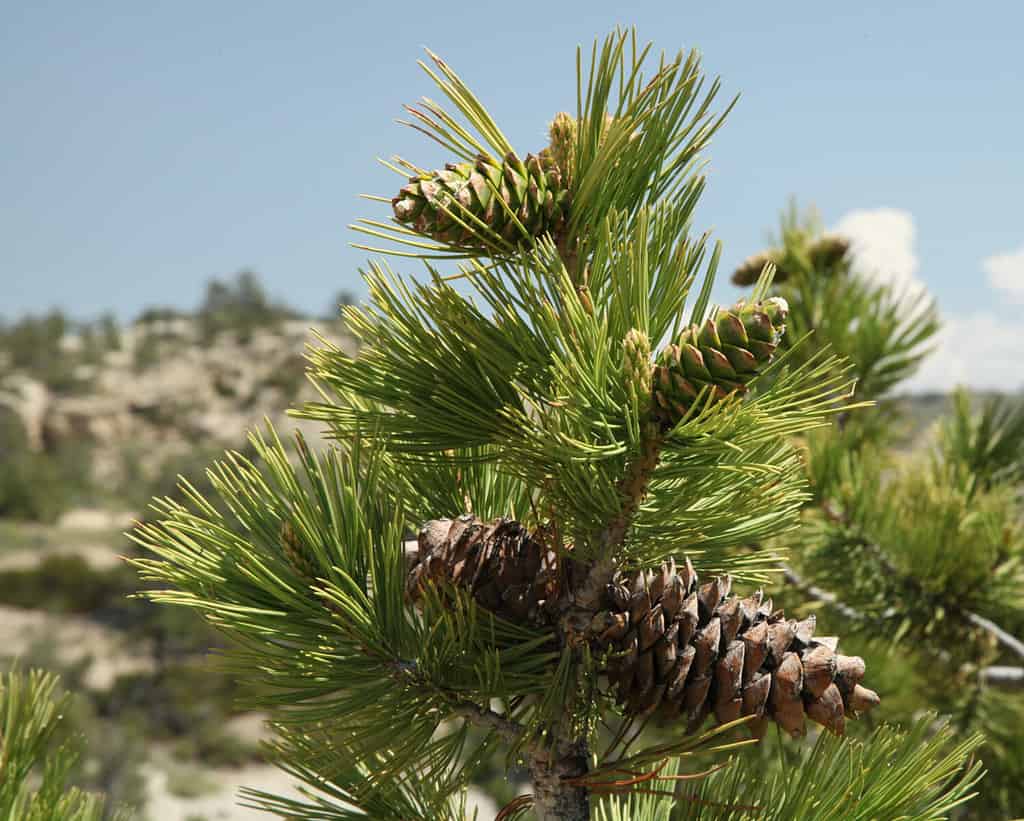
(827,252)
(507,571)
(464,202)
(673,649)
(722,355)
(749,271)
(296,552)
(680,651)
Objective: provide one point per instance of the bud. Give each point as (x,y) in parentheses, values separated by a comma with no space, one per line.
(562,132)
(296,553)
(638,368)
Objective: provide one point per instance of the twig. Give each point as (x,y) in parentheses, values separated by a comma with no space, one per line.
(999,676)
(821,595)
(471,711)
(485,717)
(1008,641)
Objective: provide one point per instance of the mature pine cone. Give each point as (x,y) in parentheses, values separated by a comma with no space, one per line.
(507,571)
(678,649)
(723,354)
(507,198)
(671,649)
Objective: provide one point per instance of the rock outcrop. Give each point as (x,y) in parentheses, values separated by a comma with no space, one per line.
(166,391)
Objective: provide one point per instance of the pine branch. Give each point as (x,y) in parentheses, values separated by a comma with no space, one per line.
(34,772)
(998,675)
(918,775)
(1006,639)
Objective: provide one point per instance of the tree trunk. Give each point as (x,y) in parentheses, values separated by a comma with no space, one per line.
(553,799)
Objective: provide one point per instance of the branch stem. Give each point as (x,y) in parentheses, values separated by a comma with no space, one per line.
(1004,677)
(485,717)
(554,797)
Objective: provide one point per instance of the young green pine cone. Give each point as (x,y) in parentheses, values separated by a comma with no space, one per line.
(466,203)
(679,651)
(749,271)
(722,355)
(827,251)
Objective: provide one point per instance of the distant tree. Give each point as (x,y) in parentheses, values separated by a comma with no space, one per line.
(343,298)
(240,307)
(33,345)
(110,332)
(159,314)
(36,486)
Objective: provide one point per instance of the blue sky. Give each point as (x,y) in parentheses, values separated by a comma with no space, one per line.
(149,146)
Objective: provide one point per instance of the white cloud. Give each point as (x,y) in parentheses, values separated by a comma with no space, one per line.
(1006,272)
(979,350)
(883,245)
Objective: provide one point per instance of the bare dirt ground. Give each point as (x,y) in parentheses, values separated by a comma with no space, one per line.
(71,641)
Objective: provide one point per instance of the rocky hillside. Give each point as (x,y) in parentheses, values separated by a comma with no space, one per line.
(95,418)
(122,412)
(186,393)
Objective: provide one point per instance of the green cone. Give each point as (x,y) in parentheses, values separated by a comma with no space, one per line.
(467,204)
(723,355)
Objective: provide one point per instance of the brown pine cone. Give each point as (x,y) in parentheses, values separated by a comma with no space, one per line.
(672,649)
(507,571)
(678,649)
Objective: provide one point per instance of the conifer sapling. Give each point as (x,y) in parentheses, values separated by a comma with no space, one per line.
(569,441)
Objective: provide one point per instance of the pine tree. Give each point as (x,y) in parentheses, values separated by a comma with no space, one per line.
(532,533)
(34,765)
(918,555)
(569,439)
